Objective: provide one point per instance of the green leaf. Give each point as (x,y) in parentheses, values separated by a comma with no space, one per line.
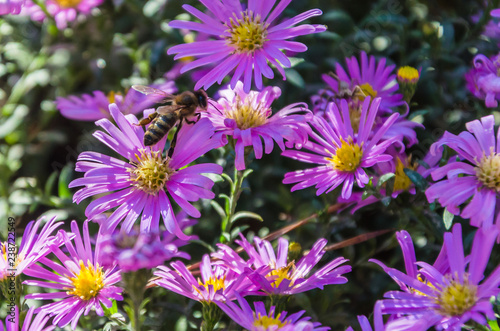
(246,173)
(237,230)
(218,209)
(416,178)
(494,325)
(111,310)
(295,78)
(181,324)
(295,61)
(384,178)
(50,184)
(245,214)
(225,237)
(447,219)
(204,244)
(64,179)
(226,177)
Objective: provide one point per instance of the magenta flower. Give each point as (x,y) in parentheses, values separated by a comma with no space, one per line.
(33,246)
(259,319)
(247,117)
(276,274)
(63,11)
(342,154)
(446,299)
(140,186)
(217,282)
(477,175)
(80,281)
(246,39)
(92,107)
(374,79)
(365,324)
(482,80)
(37,324)
(11,7)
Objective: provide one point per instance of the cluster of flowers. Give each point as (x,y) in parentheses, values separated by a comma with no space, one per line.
(357,130)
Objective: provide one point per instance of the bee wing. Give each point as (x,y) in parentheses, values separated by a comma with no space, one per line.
(153,92)
(163,110)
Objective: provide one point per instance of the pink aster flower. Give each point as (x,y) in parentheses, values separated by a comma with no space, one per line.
(482,79)
(92,107)
(217,282)
(247,117)
(365,324)
(245,38)
(11,6)
(37,324)
(476,175)
(342,154)
(275,274)
(80,281)
(259,319)
(63,11)
(140,186)
(33,246)
(450,297)
(374,79)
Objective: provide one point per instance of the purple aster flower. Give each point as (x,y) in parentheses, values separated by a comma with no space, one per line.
(342,154)
(80,281)
(134,251)
(450,293)
(482,79)
(365,324)
(37,324)
(247,118)
(374,79)
(92,107)
(275,274)
(140,186)
(63,11)
(259,319)
(11,7)
(476,175)
(245,39)
(33,246)
(217,282)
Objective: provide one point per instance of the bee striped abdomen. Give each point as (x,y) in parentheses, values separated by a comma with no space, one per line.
(159,128)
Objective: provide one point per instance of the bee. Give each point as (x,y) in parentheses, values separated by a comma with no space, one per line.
(345,91)
(180,108)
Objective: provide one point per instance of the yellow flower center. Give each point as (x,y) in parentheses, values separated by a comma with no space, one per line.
(347,157)
(419,277)
(246,114)
(88,282)
(267,321)
(68,3)
(401,181)
(408,74)
(488,171)
(112,96)
(151,172)
(368,90)
(282,273)
(217,283)
(456,298)
(247,34)
(6,255)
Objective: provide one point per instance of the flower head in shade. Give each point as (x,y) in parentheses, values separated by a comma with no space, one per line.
(79,280)
(216,283)
(11,7)
(34,245)
(375,79)
(246,39)
(92,107)
(140,186)
(30,324)
(341,154)
(247,117)
(277,274)
(450,293)
(483,81)
(63,11)
(476,175)
(134,251)
(259,319)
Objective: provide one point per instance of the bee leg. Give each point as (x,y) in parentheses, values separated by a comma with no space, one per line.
(198,115)
(174,140)
(147,120)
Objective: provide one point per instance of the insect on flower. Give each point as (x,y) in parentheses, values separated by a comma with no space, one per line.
(165,117)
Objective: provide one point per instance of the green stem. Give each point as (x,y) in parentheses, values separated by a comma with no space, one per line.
(211,316)
(231,204)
